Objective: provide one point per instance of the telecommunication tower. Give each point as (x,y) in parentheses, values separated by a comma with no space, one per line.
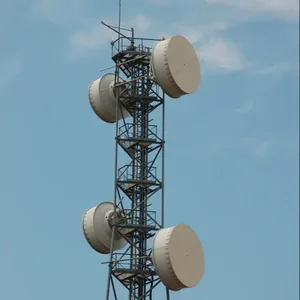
(142,253)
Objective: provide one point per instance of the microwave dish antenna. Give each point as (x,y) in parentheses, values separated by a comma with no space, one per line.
(177,256)
(175,66)
(97,228)
(102,96)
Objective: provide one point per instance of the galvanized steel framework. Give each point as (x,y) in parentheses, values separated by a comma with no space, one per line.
(140,179)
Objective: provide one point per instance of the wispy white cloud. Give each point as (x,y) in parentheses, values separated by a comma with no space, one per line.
(277,68)
(216,53)
(202,32)
(87,41)
(250,145)
(192,34)
(9,69)
(261,148)
(256,146)
(245,109)
(161,2)
(58,11)
(221,54)
(141,23)
(279,8)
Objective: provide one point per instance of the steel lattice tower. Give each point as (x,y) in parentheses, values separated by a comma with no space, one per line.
(141,177)
(142,253)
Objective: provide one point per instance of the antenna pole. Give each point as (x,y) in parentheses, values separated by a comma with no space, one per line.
(119,23)
(110,267)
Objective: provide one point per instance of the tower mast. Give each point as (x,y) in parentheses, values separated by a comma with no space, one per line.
(139,179)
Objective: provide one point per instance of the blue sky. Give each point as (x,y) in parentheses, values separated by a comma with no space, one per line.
(231,153)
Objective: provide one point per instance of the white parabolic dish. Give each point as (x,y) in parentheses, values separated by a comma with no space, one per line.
(97,230)
(176,66)
(103,99)
(178,257)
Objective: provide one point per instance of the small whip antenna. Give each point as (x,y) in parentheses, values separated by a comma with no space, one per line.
(119,23)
